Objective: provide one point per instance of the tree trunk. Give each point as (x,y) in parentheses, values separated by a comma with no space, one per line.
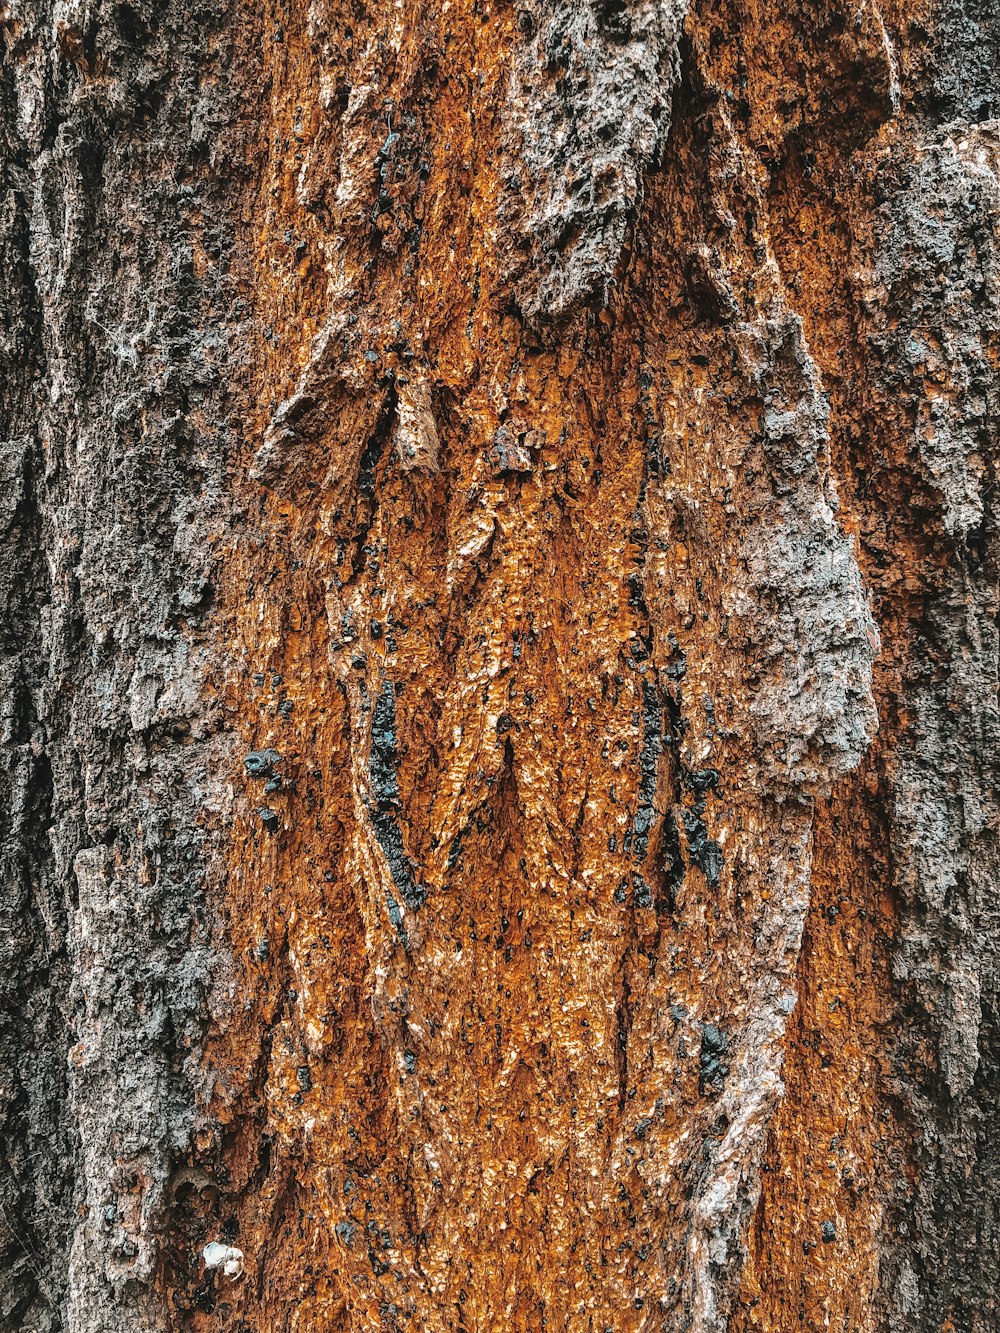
(499,799)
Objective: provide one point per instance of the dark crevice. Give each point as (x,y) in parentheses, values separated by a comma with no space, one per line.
(386,805)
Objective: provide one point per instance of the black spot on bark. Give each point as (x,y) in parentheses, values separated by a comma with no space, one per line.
(385,804)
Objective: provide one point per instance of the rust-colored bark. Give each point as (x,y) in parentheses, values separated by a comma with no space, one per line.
(591,714)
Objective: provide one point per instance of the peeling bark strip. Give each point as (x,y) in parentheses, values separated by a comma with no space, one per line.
(588,110)
(498,809)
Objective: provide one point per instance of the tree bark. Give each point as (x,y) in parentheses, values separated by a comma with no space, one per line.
(498,797)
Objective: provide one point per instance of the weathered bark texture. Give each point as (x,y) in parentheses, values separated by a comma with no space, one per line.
(500,665)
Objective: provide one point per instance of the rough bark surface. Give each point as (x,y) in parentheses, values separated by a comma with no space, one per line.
(498,813)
